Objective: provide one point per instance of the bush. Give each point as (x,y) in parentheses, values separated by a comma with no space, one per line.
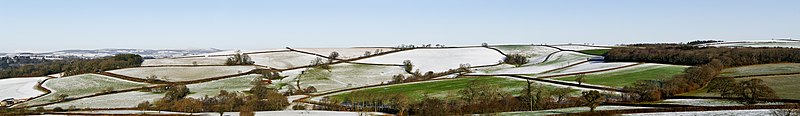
(515,59)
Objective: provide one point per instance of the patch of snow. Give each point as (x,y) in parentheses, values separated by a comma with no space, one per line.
(440,60)
(344,53)
(578,47)
(283,60)
(183,73)
(759,112)
(20,88)
(119,100)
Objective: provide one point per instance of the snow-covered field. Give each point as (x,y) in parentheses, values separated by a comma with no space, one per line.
(566,110)
(230,52)
(283,60)
(759,112)
(20,87)
(218,60)
(439,60)
(175,74)
(557,60)
(535,54)
(343,76)
(790,44)
(578,47)
(119,100)
(82,85)
(344,53)
(259,113)
(233,84)
(707,102)
(591,66)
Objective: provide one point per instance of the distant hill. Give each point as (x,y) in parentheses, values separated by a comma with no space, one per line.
(148,53)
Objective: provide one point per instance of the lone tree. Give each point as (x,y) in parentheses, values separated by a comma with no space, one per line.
(516,59)
(333,56)
(749,91)
(579,78)
(592,99)
(239,58)
(407,65)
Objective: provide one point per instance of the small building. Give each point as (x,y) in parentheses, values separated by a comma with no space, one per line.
(597,58)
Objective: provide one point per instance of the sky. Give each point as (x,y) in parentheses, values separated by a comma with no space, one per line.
(49,25)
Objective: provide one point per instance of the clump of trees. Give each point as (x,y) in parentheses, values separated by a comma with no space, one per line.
(408,66)
(259,98)
(515,59)
(239,58)
(319,63)
(693,78)
(747,92)
(417,76)
(697,42)
(73,67)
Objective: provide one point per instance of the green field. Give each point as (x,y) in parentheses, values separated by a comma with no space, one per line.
(762,69)
(628,76)
(596,51)
(441,88)
(234,84)
(785,86)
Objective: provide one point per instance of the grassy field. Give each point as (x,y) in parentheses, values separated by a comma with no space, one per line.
(596,51)
(234,84)
(82,85)
(565,111)
(630,75)
(443,88)
(785,86)
(219,60)
(175,74)
(343,76)
(762,69)
(282,60)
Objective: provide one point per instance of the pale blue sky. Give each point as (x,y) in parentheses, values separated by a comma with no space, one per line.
(39,25)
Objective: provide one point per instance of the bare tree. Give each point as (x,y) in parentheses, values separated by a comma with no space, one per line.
(592,99)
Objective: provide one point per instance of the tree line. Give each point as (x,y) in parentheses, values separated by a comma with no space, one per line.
(73,66)
(259,98)
(478,98)
(693,55)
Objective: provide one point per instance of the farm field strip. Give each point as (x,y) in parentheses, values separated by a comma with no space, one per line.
(629,75)
(119,100)
(81,85)
(20,88)
(284,60)
(440,88)
(212,88)
(215,60)
(755,112)
(566,110)
(342,76)
(344,53)
(558,60)
(439,60)
(578,47)
(761,70)
(176,74)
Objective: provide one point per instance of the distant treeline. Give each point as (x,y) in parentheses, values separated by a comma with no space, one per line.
(692,55)
(72,67)
(15,61)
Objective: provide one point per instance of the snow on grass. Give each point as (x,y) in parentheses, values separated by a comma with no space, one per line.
(566,110)
(705,102)
(759,112)
(218,60)
(20,88)
(557,60)
(343,76)
(119,100)
(762,69)
(440,60)
(535,54)
(233,84)
(231,52)
(344,53)
(578,47)
(777,43)
(592,66)
(283,60)
(82,85)
(176,74)
(629,75)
